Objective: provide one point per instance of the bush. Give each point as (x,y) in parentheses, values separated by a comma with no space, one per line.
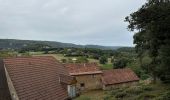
(121,95)
(114,91)
(103,60)
(135,90)
(165,96)
(147,88)
(146,96)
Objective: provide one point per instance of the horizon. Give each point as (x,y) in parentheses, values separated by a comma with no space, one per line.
(79,22)
(70,43)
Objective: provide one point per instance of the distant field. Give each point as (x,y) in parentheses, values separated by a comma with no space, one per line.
(61,56)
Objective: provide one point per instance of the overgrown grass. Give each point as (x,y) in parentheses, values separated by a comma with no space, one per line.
(140,92)
(92,95)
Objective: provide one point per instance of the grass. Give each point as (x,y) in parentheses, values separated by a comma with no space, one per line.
(106,66)
(92,95)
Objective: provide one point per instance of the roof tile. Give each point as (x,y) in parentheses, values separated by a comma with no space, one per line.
(37,78)
(117,76)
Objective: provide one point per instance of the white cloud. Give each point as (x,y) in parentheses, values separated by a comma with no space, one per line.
(76,21)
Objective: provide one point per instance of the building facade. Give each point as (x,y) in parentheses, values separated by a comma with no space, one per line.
(88,75)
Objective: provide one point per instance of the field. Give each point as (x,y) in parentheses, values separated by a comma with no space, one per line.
(59,57)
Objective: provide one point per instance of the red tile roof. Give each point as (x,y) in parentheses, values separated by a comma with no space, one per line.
(83,68)
(117,76)
(37,78)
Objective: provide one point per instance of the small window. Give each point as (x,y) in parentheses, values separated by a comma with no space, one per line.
(82,85)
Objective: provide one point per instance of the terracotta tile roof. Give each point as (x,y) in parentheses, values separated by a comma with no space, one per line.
(83,68)
(117,76)
(37,78)
(4,91)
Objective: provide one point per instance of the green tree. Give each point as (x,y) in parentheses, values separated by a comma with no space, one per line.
(152,23)
(120,63)
(82,60)
(103,60)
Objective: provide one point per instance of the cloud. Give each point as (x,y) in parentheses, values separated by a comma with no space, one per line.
(77,21)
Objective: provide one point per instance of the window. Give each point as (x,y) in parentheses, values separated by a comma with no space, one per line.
(82,85)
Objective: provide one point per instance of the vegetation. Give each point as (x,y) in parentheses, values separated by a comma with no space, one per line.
(120,63)
(103,60)
(152,21)
(140,92)
(18,44)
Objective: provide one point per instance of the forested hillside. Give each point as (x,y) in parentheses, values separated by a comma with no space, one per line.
(18,44)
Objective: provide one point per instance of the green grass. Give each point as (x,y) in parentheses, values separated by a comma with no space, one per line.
(106,66)
(92,95)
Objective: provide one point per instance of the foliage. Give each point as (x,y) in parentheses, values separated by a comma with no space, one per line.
(165,96)
(140,92)
(120,63)
(120,94)
(103,60)
(82,60)
(152,21)
(5,53)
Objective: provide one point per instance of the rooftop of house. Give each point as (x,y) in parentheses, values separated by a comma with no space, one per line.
(118,76)
(83,68)
(37,78)
(4,91)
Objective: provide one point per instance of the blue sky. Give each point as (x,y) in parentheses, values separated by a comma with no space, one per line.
(99,22)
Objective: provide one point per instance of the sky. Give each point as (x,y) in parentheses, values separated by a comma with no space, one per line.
(99,22)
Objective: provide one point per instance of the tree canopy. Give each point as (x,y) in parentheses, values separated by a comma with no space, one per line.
(152,23)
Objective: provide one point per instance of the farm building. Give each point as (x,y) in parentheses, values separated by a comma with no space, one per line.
(38,78)
(44,78)
(118,77)
(88,75)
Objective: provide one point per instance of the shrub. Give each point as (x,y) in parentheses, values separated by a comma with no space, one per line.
(121,94)
(165,96)
(135,90)
(147,88)
(146,96)
(114,91)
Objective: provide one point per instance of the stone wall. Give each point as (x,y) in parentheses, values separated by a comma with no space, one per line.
(88,82)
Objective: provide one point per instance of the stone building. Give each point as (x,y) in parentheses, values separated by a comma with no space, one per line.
(118,78)
(38,78)
(88,75)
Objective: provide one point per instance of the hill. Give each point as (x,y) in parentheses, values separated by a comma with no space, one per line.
(18,44)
